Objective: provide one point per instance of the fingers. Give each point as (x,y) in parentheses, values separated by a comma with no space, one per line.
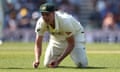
(53,64)
(35,64)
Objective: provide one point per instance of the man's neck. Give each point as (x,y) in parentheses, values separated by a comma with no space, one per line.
(52,24)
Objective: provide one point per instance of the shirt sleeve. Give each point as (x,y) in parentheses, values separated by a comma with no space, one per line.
(40,27)
(71,25)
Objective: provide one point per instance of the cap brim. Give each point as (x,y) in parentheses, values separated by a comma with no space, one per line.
(44,11)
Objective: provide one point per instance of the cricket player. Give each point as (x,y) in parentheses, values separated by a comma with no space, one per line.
(66,37)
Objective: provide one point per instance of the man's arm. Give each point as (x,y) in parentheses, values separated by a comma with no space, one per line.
(66,52)
(37,50)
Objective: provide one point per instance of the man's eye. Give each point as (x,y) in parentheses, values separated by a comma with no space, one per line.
(45,14)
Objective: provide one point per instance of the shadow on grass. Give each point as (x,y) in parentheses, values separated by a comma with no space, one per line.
(15,68)
(64,67)
(90,67)
(20,68)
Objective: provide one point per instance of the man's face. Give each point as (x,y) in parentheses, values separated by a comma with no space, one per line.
(48,17)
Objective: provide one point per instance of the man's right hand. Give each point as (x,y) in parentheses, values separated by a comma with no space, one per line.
(35,64)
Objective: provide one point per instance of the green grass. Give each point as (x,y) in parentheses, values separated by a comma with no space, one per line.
(18,57)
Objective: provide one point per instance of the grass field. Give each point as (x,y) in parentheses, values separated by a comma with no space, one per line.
(18,57)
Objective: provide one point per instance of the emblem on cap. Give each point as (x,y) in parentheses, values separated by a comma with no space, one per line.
(47,7)
(43,8)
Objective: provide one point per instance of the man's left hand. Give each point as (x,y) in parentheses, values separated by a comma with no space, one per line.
(53,64)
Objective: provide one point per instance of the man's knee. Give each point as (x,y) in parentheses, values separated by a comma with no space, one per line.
(84,64)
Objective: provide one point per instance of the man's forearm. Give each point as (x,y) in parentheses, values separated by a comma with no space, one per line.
(38,49)
(65,53)
(37,53)
(68,49)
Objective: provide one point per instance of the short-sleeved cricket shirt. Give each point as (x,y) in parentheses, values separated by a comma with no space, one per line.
(63,23)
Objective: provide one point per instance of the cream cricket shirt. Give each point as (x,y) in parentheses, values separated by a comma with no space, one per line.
(63,23)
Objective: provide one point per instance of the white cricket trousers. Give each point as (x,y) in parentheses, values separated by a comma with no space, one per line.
(55,49)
